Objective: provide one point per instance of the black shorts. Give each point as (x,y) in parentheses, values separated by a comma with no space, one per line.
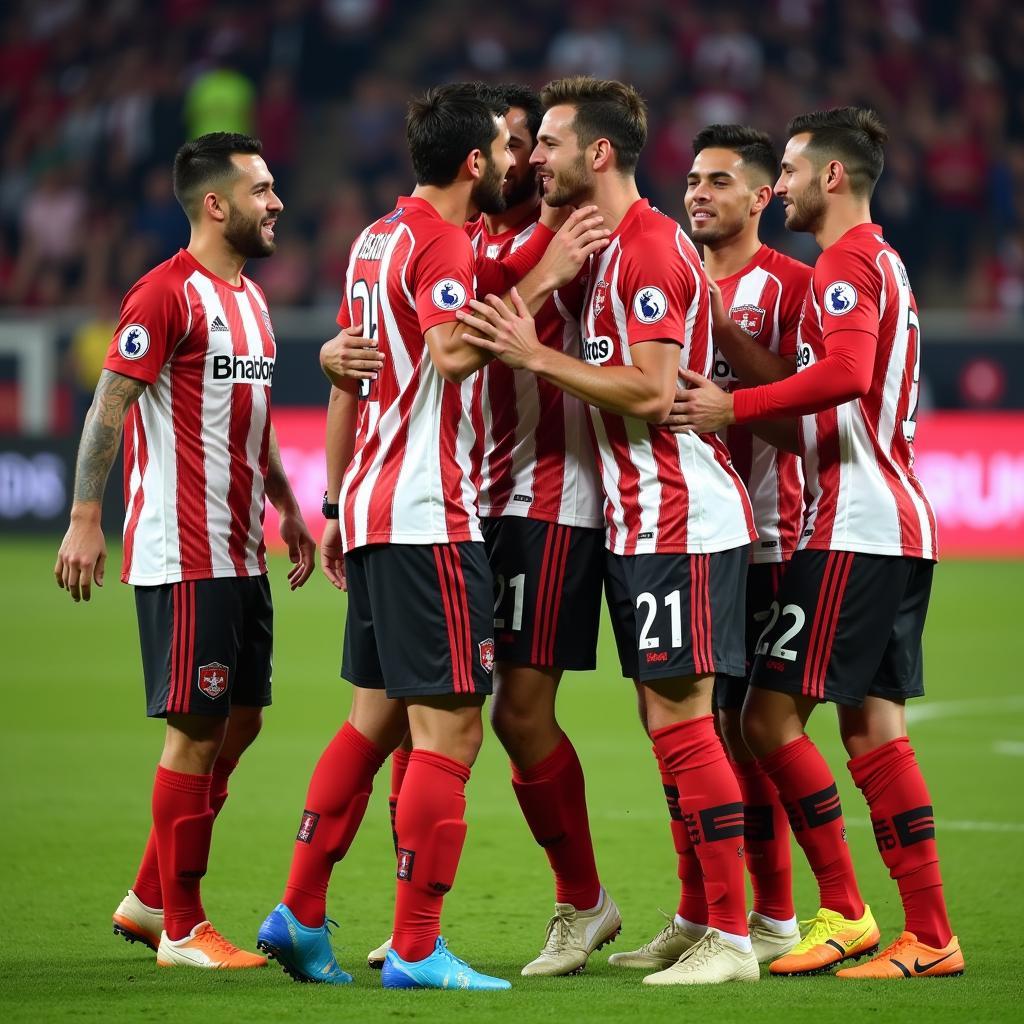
(420,619)
(763,581)
(206,645)
(845,626)
(677,615)
(547,579)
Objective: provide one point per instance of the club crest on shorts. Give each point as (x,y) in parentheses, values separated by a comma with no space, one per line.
(487,654)
(448,294)
(749,319)
(213,679)
(406,859)
(600,296)
(840,298)
(649,305)
(133,341)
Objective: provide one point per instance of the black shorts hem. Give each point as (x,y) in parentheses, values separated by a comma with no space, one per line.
(363,682)
(675,672)
(562,665)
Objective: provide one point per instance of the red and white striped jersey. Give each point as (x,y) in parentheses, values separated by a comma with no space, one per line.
(663,492)
(410,480)
(534,447)
(862,494)
(196,442)
(765,299)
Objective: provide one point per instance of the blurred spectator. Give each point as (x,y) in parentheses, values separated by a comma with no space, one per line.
(160,221)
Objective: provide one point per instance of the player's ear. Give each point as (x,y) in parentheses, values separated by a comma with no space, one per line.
(835,172)
(603,153)
(214,207)
(475,163)
(762,197)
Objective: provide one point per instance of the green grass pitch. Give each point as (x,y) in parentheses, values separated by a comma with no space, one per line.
(78,755)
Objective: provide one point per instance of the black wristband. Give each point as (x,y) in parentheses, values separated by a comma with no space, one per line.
(329,510)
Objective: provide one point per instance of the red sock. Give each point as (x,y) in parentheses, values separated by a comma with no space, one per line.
(766,843)
(553,797)
(147,881)
(709,797)
(399,764)
(335,804)
(808,792)
(431,832)
(693,905)
(901,815)
(183,823)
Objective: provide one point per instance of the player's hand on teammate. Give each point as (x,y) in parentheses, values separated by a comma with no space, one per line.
(701,408)
(332,559)
(82,558)
(348,355)
(582,234)
(301,547)
(508,333)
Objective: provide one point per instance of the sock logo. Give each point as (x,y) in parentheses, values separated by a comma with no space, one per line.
(406,858)
(672,799)
(915,826)
(722,822)
(307,826)
(759,824)
(819,808)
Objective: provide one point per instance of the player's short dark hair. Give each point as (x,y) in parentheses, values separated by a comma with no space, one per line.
(512,94)
(445,124)
(754,148)
(855,136)
(605,109)
(205,163)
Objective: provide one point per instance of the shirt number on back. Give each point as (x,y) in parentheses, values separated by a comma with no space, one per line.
(368,296)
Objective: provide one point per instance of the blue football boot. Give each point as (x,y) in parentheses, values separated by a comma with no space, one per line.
(304,953)
(442,969)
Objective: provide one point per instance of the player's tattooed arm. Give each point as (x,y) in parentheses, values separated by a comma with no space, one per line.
(101,434)
(82,557)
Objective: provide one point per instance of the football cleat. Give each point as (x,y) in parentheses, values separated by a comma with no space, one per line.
(908,957)
(137,922)
(205,947)
(768,942)
(663,950)
(710,961)
(830,939)
(304,954)
(375,958)
(572,936)
(442,969)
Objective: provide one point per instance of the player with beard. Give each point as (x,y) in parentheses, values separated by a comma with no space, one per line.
(678,519)
(762,292)
(190,369)
(541,519)
(846,626)
(403,537)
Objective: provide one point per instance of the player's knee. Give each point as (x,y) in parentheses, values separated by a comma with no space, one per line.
(757,733)
(515,724)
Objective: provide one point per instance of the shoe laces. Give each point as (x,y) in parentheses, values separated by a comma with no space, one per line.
(445,951)
(817,929)
(558,934)
(219,943)
(897,945)
(702,951)
(664,935)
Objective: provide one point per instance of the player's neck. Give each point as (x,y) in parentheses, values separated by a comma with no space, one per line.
(840,218)
(499,223)
(452,202)
(213,255)
(731,255)
(613,196)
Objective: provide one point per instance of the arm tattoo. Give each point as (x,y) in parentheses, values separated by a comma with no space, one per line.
(101,435)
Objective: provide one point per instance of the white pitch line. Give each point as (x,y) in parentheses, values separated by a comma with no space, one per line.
(1012,748)
(982,706)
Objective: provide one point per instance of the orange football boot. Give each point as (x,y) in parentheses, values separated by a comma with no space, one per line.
(205,947)
(830,938)
(907,957)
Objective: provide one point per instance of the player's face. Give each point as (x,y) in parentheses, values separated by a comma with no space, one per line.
(253,208)
(718,196)
(561,165)
(487,195)
(799,187)
(521,181)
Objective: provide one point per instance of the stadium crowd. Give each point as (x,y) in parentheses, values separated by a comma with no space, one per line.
(96,97)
